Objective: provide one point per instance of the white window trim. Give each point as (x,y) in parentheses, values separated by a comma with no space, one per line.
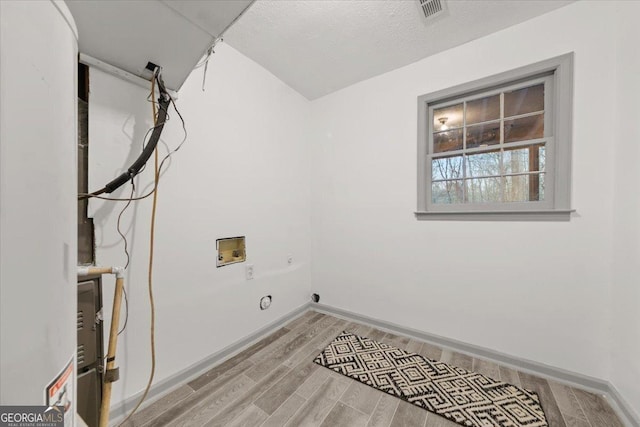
(557,208)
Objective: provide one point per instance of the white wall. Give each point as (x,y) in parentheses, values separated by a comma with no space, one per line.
(535,290)
(37,168)
(560,293)
(625,331)
(244,170)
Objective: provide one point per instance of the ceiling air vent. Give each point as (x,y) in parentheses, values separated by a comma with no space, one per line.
(431,7)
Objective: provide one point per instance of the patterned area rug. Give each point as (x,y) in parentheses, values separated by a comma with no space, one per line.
(464,397)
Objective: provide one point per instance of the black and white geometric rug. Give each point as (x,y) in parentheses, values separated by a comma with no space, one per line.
(467,398)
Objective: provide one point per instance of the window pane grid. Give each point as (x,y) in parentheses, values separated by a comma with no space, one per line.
(486,122)
(479,189)
(444,138)
(520,116)
(491,92)
(464,148)
(522,179)
(506,145)
(490,176)
(502,184)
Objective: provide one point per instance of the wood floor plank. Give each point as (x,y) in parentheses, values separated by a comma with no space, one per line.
(344,415)
(351,326)
(250,417)
(510,376)
(597,410)
(276,357)
(376,334)
(395,340)
(575,422)
(193,400)
(334,374)
(288,349)
(304,320)
(462,360)
(384,411)
(225,366)
(430,351)
(313,412)
(312,384)
(216,371)
(362,330)
(280,391)
(457,359)
(264,353)
(326,338)
(318,342)
(214,403)
(361,397)
(153,411)
(408,415)
(302,323)
(485,367)
(266,341)
(285,411)
(413,346)
(435,420)
(315,318)
(244,402)
(567,401)
(547,400)
(283,340)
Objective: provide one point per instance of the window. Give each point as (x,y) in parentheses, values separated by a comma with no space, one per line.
(498,148)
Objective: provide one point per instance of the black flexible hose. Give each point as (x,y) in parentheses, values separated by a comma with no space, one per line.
(134,169)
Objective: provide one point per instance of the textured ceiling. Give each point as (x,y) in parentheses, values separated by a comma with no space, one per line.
(319,46)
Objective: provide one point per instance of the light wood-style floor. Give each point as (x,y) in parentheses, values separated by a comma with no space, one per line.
(275,383)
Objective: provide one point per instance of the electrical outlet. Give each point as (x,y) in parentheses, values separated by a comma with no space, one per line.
(248,270)
(289,259)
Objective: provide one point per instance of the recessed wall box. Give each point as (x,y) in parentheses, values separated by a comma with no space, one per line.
(230,251)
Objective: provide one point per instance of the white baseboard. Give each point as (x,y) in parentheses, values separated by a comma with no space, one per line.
(626,413)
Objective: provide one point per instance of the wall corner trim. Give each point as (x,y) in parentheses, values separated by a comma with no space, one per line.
(622,407)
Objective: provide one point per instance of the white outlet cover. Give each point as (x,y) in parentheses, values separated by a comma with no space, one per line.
(248,270)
